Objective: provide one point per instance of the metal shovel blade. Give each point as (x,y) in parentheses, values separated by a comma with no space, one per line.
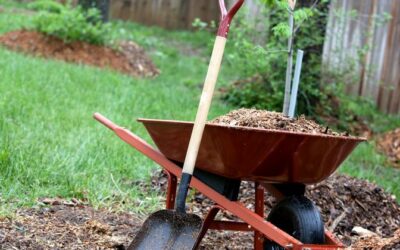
(168,229)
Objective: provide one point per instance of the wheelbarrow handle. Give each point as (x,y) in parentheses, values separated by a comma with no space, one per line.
(109,124)
(227,16)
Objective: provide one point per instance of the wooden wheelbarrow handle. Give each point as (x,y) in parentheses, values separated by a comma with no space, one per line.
(106,122)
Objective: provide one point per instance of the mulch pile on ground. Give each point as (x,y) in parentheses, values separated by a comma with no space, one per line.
(271,120)
(389,144)
(67,225)
(345,202)
(129,58)
(373,241)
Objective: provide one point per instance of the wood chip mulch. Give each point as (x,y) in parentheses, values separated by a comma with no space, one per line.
(344,203)
(129,58)
(272,120)
(376,242)
(389,144)
(70,224)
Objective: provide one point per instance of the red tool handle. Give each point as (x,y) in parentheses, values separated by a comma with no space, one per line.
(226,17)
(109,124)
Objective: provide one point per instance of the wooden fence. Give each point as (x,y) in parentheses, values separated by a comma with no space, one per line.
(360,35)
(176,14)
(356,35)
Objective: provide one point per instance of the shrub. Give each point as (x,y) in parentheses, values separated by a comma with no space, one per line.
(46,5)
(70,24)
(322,93)
(267,56)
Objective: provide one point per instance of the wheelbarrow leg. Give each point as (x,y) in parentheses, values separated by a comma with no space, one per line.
(171,190)
(207,223)
(259,209)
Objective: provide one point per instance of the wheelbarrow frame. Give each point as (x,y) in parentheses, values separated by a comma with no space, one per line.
(252,220)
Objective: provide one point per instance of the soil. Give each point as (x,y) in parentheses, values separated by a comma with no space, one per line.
(128,58)
(389,144)
(272,120)
(71,224)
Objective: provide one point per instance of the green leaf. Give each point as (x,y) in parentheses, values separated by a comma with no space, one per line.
(282,30)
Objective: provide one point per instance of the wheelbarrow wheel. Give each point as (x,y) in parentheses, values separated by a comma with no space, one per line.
(297,216)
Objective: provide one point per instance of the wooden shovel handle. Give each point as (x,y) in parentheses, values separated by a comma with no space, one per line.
(204,105)
(209,86)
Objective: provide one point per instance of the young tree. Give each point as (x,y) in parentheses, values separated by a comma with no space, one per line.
(102,5)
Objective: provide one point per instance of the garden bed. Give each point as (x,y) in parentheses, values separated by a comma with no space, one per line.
(127,58)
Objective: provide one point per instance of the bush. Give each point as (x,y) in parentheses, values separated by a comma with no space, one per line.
(322,94)
(46,5)
(70,24)
(267,56)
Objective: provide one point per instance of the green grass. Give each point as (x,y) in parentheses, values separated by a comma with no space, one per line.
(366,163)
(12,4)
(50,145)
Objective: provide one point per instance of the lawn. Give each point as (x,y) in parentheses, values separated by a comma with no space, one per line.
(50,145)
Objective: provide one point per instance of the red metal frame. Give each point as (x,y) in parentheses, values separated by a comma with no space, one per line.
(226,17)
(252,221)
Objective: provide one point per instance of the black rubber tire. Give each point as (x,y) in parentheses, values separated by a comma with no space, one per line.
(297,216)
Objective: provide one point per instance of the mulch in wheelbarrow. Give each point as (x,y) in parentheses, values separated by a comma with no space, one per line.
(128,58)
(255,118)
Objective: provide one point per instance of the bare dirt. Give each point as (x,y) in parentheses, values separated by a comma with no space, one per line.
(272,120)
(389,144)
(344,202)
(128,58)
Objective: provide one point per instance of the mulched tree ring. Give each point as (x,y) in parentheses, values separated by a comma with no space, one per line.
(128,58)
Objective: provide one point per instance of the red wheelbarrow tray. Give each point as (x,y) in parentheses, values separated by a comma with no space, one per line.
(255,154)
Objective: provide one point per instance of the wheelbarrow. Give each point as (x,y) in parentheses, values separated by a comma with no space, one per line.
(279,162)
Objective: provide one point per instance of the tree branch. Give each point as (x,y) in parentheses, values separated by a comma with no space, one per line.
(313,6)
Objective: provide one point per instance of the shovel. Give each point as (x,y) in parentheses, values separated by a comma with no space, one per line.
(175,229)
